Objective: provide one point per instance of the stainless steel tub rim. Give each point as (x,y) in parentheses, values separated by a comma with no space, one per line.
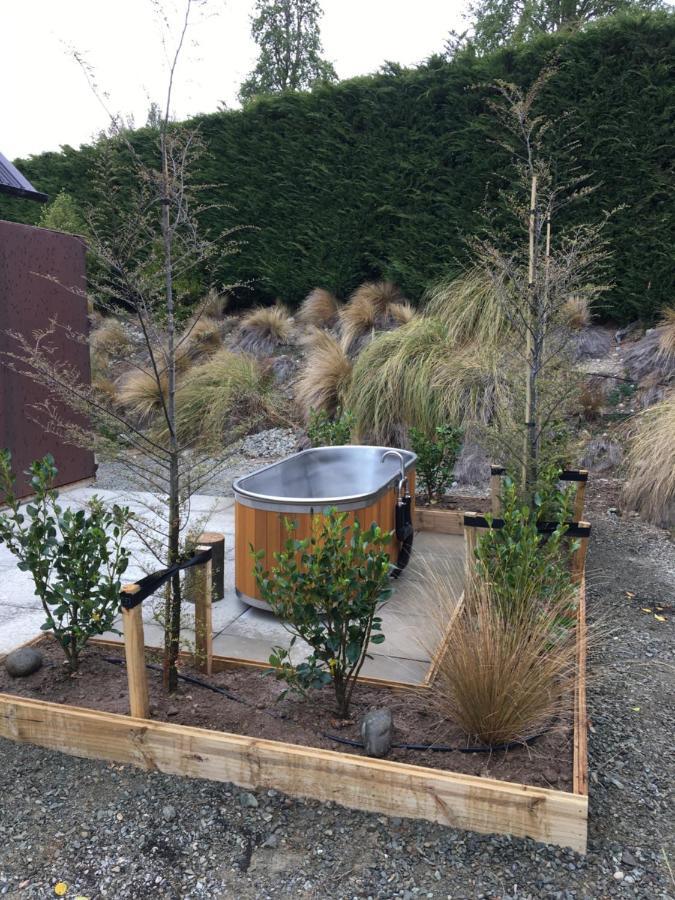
(305,481)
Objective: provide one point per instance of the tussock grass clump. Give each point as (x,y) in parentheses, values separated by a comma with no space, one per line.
(503,678)
(667,332)
(105,388)
(469,308)
(650,488)
(200,338)
(264,329)
(139,391)
(576,312)
(326,377)
(416,375)
(378,295)
(319,309)
(401,313)
(592,398)
(374,306)
(224,397)
(110,337)
(214,305)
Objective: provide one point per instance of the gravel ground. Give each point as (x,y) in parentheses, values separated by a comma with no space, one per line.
(110,831)
(250,454)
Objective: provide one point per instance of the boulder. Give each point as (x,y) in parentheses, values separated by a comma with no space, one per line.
(23,662)
(376,730)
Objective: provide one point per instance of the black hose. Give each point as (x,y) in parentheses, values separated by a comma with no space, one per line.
(435,748)
(187,678)
(405,532)
(439,748)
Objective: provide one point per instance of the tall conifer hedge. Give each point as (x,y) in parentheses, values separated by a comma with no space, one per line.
(385,176)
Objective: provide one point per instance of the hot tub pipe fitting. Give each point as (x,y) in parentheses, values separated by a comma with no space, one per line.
(405,530)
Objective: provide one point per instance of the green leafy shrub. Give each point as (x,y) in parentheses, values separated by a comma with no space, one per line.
(436,458)
(76,558)
(327,589)
(324,431)
(517,561)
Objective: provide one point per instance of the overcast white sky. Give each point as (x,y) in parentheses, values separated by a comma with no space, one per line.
(45,101)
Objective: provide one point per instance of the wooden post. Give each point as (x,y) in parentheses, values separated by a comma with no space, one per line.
(216,541)
(134,650)
(579,556)
(203,585)
(580,497)
(470,541)
(496,473)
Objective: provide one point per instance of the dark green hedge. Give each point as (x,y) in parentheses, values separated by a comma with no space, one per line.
(385,175)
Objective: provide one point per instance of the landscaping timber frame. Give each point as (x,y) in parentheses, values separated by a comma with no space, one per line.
(477,804)
(572,476)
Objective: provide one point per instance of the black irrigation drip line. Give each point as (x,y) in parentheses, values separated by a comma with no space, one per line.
(434,748)
(187,678)
(440,748)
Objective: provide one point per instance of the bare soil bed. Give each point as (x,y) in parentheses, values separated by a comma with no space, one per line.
(254,708)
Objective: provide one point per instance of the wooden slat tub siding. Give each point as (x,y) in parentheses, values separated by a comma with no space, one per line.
(265,530)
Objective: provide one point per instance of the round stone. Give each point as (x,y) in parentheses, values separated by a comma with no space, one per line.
(23,662)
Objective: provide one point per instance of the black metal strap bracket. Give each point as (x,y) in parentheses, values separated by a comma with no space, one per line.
(134,594)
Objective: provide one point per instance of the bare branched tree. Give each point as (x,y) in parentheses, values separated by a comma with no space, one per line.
(145,243)
(535,269)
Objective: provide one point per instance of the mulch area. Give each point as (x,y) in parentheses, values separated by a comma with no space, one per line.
(254,707)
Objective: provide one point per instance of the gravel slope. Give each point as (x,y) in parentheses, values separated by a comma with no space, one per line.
(116,832)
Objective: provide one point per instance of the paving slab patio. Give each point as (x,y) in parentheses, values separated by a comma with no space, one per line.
(411,619)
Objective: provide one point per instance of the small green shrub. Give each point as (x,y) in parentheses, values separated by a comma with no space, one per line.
(325,431)
(625,391)
(327,589)
(516,560)
(436,458)
(76,558)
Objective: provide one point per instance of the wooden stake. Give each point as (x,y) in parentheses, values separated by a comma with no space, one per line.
(134,650)
(216,541)
(470,541)
(203,587)
(496,494)
(579,499)
(579,557)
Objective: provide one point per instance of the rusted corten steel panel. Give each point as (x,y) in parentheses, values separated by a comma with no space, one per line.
(27,303)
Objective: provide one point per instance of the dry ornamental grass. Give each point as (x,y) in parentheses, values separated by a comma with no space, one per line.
(326,376)
(503,679)
(374,306)
(666,331)
(576,312)
(223,398)
(140,392)
(264,330)
(650,487)
(319,309)
(111,338)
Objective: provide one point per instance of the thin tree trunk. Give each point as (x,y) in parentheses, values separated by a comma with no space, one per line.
(172,625)
(530,439)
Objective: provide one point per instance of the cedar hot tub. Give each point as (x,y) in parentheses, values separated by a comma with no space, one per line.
(363,481)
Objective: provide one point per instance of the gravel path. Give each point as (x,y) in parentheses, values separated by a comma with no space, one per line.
(109,831)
